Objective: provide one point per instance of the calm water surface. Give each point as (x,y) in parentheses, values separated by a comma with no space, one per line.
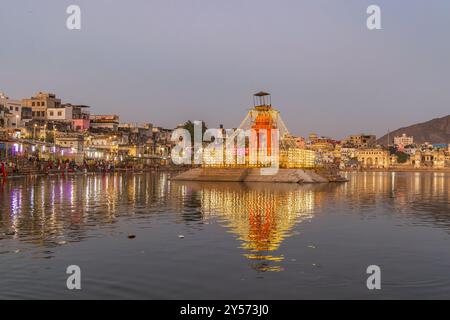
(240,240)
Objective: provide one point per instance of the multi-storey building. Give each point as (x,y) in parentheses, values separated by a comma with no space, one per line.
(300,142)
(80,117)
(104,122)
(77,115)
(71,140)
(5,117)
(403,140)
(14,108)
(373,158)
(162,141)
(430,158)
(40,103)
(313,137)
(361,141)
(60,114)
(137,134)
(323,144)
(346,154)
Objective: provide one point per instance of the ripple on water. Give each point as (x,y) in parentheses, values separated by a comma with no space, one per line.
(234,233)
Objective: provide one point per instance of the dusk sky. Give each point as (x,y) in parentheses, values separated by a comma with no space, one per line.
(165,61)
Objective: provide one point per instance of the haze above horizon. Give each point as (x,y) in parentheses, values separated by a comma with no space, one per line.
(165,62)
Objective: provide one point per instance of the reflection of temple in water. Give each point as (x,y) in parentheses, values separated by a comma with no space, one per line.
(262,216)
(45,210)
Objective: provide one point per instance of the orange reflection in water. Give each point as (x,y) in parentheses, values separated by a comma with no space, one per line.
(261,216)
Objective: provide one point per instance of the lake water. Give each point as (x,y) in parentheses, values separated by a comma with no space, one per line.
(241,241)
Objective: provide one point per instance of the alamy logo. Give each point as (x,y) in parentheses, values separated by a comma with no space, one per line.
(230,147)
(73,22)
(374,280)
(74,280)
(374,20)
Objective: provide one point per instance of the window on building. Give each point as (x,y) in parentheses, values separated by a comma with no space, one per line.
(33,104)
(17,108)
(59,113)
(51,113)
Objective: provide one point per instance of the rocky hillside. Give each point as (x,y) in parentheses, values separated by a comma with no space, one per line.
(433,131)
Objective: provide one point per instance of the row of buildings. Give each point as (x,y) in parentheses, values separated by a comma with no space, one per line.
(45,127)
(362,152)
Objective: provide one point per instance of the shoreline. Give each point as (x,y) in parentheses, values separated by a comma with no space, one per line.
(441,170)
(89,173)
(282,175)
(180,170)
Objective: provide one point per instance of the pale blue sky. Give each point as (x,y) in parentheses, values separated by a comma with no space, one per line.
(166,61)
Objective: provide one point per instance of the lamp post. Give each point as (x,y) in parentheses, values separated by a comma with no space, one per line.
(54,142)
(34,132)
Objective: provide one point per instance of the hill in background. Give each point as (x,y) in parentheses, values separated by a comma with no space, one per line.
(433,131)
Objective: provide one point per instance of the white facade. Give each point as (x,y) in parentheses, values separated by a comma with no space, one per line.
(74,142)
(15,109)
(61,114)
(102,141)
(348,153)
(403,140)
(410,151)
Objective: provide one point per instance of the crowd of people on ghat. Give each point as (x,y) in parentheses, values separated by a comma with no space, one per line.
(33,165)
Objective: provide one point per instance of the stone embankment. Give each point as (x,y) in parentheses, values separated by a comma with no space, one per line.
(398,169)
(255,175)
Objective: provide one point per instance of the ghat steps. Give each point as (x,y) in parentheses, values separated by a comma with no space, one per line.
(255,175)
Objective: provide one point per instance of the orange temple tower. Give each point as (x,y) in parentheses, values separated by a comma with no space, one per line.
(263,122)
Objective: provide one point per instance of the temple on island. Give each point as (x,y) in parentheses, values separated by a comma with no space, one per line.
(264,140)
(261,149)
